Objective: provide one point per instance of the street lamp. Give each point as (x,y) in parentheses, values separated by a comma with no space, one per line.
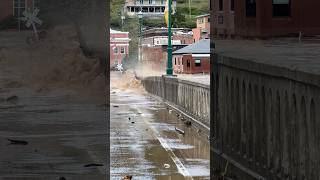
(140,16)
(169,50)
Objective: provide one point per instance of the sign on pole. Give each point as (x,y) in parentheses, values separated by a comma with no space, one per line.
(32,19)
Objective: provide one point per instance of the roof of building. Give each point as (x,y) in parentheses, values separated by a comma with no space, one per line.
(200,47)
(112,31)
(204,15)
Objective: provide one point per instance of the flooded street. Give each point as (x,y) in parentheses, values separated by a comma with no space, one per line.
(50,128)
(145,143)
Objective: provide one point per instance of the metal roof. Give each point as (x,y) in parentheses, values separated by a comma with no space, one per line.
(200,47)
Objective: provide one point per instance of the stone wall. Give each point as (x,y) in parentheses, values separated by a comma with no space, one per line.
(192,98)
(265,120)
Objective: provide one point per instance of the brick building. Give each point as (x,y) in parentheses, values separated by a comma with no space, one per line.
(203,27)
(192,59)
(9,8)
(265,18)
(119,47)
(223,18)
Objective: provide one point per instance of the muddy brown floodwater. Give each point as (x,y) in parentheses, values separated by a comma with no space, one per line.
(56,115)
(144,142)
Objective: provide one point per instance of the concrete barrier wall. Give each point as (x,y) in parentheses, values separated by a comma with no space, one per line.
(192,98)
(266,120)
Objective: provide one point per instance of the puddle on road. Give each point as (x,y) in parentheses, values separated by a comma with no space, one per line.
(138,149)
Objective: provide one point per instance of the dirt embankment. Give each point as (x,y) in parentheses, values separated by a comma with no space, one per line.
(55,61)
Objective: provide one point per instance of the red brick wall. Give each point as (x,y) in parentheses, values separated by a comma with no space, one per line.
(154,58)
(204,68)
(225,29)
(303,18)
(185,39)
(6,8)
(118,56)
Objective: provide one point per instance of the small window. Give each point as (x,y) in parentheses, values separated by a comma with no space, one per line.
(232,5)
(251,8)
(208,19)
(115,50)
(19,8)
(281,8)
(220,5)
(197,62)
(122,50)
(141,1)
(150,2)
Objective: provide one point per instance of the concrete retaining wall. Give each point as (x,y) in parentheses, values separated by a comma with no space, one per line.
(265,121)
(192,98)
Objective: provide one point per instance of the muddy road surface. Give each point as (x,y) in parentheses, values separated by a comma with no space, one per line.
(144,141)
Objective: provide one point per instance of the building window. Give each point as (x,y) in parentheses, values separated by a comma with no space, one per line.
(281,8)
(150,2)
(122,50)
(36,4)
(175,61)
(220,5)
(19,8)
(162,1)
(141,1)
(251,8)
(232,5)
(197,62)
(208,19)
(115,50)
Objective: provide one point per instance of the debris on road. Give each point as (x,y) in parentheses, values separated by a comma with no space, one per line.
(127,177)
(188,123)
(17,142)
(132,122)
(92,165)
(129,118)
(166,166)
(12,98)
(179,130)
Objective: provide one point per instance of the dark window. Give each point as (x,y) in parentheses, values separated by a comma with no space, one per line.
(188,63)
(232,5)
(208,19)
(281,8)
(220,5)
(197,62)
(175,61)
(251,8)
(19,7)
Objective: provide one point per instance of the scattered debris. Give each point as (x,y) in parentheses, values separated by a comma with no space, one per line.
(116,106)
(166,166)
(92,165)
(12,98)
(127,177)
(188,123)
(132,122)
(62,178)
(129,118)
(18,142)
(179,131)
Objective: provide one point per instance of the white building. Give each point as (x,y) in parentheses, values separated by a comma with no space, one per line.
(150,8)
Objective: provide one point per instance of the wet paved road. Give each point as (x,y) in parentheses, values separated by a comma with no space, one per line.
(64,129)
(147,146)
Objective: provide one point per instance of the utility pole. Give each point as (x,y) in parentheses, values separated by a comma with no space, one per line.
(169,50)
(189,8)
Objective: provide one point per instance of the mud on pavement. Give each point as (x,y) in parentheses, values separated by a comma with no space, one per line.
(53,110)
